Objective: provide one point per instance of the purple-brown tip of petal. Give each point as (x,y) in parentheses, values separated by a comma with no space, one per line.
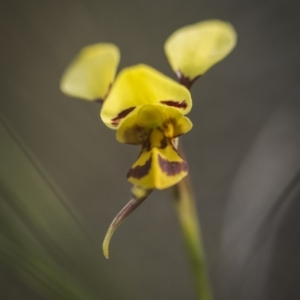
(186,81)
(99,101)
(182,104)
(138,197)
(115,121)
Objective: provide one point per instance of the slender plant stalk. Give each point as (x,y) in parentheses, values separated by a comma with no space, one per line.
(188,219)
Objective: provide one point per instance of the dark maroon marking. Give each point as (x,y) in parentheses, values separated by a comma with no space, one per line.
(186,81)
(175,104)
(140,171)
(172,168)
(115,121)
(101,100)
(108,91)
(136,135)
(163,143)
(147,145)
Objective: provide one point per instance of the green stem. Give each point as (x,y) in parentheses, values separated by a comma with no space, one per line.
(188,219)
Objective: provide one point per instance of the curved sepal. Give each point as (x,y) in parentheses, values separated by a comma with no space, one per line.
(139,195)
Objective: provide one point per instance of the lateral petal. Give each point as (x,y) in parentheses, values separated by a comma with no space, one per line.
(91,73)
(193,49)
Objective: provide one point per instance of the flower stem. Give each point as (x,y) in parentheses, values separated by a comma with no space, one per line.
(188,219)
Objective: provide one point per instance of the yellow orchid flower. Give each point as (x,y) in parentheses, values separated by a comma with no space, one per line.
(193,49)
(147,109)
(142,101)
(154,126)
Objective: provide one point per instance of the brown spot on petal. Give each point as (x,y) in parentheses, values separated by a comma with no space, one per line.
(147,146)
(163,143)
(186,81)
(182,104)
(140,171)
(101,100)
(172,168)
(115,121)
(136,135)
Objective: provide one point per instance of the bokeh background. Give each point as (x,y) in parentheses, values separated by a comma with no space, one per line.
(62,173)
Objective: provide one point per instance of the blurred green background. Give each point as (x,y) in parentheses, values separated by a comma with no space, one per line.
(62,173)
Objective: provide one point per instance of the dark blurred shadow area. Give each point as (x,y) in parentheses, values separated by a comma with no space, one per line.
(260,257)
(62,173)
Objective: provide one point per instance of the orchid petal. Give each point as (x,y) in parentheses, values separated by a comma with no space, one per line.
(193,49)
(141,85)
(92,72)
(158,167)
